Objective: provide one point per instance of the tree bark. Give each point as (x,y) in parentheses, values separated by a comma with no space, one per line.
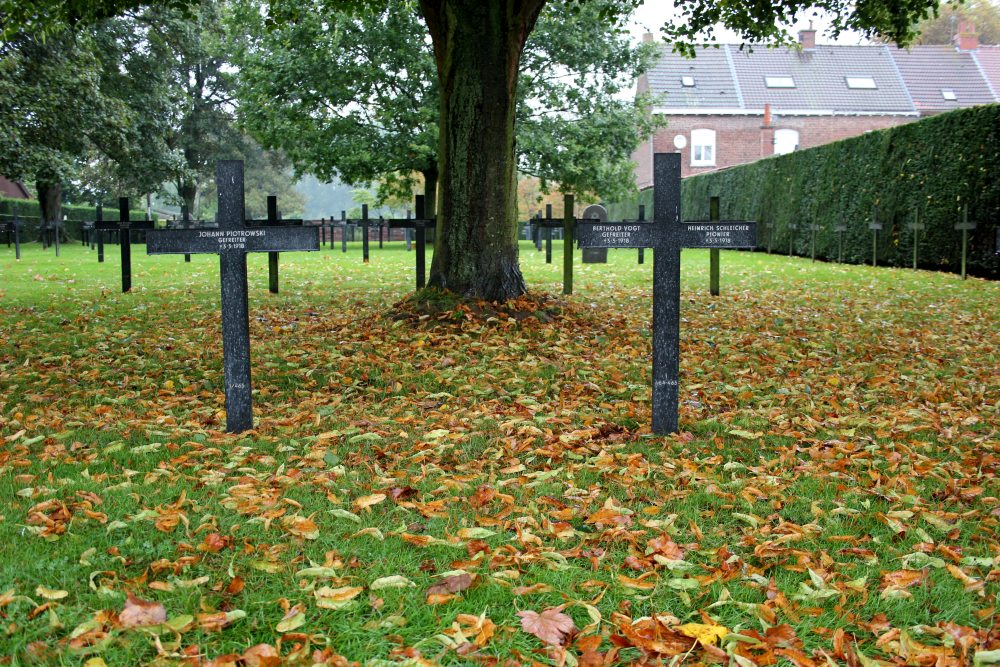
(430,190)
(477,47)
(188,191)
(49,201)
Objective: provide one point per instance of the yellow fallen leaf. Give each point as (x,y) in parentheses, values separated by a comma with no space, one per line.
(292,620)
(336,598)
(365,502)
(50,593)
(394,581)
(704,633)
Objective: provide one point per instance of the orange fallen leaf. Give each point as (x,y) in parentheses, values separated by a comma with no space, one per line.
(139,613)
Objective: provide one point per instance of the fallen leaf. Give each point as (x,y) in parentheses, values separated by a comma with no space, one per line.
(453,584)
(551,626)
(139,613)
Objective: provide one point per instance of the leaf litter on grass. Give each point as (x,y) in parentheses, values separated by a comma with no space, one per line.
(457,483)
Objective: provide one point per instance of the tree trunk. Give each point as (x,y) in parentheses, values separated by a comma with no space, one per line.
(477,47)
(188,190)
(430,190)
(49,201)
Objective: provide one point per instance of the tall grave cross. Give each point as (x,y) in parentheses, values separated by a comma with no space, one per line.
(124,226)
(420,223)
(232,241)
(666,234)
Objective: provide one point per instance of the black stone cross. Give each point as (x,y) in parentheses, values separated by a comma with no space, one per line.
(232,241)
(720,234)
(13,228)
(124,226)
(364,223)
(965,227)
(420,223)
(666,234)
(273,220)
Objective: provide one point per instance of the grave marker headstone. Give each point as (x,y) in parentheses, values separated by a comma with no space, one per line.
(232,241)
(343,231)
(592,254)
(421,223)
(875,226)
(723,233)
(666,234)
(813,228)
(13,229)
(124,227)
(916,226)
(273,219)
(965,226)
(840,229)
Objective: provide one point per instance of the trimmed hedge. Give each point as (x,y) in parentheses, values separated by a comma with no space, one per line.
(28,211)
(932,168)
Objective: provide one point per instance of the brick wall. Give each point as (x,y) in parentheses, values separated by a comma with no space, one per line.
(742,139)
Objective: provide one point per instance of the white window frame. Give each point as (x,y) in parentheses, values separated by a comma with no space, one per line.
(687,81)
(785,132)
(776,81)
(861,83)
(703,147)
(949,94)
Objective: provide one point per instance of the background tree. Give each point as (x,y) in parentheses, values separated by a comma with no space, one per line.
(477,52)
(577,124)
(54,111)
(348,96)
(940,29)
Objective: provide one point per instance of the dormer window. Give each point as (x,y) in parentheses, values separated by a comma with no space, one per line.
(948,94)
(861,82)
(687,81)
(779,82)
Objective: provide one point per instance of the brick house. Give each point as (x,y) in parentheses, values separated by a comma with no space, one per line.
(13,189)
(734,106)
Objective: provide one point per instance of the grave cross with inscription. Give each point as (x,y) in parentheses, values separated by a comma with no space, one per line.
(666,234)
(720,234)
(232,241)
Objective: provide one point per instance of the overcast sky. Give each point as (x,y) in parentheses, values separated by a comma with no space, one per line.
(652,14)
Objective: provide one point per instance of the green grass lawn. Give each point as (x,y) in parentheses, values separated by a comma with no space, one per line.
(418,483)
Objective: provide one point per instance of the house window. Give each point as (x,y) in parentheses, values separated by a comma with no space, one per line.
(948,94)
(861,82)
(687,81)
(702,148)
(785,141)
(779,82)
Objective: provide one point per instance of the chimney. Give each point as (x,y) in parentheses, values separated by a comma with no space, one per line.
(807,38)
(647,37)
(967,39)
(766,133)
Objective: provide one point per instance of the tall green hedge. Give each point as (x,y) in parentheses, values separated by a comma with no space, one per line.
(931,168)
(28,212)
